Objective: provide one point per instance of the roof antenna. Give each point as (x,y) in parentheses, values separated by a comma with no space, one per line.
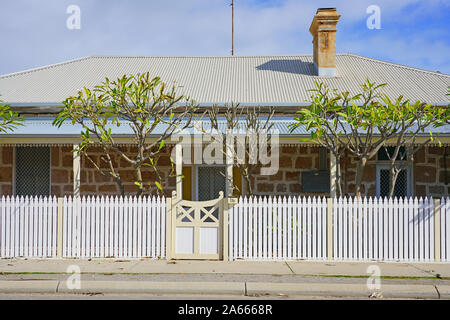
(232,27)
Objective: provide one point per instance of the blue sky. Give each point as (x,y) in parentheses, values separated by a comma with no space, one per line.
(33,33)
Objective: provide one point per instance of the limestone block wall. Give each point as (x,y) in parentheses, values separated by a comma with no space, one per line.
(93,183)
(429,172)
(287,181)
(61,171)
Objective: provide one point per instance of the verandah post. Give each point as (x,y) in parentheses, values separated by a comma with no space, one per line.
(76,172)
(330,228)
(437,230)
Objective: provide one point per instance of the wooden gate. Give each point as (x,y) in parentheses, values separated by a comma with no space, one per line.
(197,228)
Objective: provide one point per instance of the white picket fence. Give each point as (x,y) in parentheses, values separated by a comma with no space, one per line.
(272,228)
(362,230)
(28,227)
(278,229)
(384,229)
(127,227)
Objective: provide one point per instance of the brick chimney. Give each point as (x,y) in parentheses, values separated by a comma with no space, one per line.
(323,30)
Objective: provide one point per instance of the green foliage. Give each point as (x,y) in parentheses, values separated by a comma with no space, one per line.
(9,119)
(139,101)
(363,123)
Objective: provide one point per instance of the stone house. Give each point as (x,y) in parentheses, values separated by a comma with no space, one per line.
(37,158)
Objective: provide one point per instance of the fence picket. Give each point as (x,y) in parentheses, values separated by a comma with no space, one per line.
(268,228)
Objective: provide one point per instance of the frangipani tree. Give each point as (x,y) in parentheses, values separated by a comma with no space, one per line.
(340,122)
(141,102)
(364,123)
(408,122)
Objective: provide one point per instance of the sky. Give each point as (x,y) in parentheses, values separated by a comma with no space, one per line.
(34,33)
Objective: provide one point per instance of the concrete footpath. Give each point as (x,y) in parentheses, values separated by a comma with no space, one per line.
(244,278)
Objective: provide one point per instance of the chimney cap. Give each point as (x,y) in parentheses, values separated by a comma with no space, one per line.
(326,9)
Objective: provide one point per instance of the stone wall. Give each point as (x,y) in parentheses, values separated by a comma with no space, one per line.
(430,170)
(93,182)
(429,173)
(61,170)
(287,181)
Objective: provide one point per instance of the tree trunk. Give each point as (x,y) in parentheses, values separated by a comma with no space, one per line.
(120,185)
(359,175)
(139,180)
(393,175)
(338,176)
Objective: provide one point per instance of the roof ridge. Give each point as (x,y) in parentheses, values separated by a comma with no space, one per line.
(13,74)
(399,65)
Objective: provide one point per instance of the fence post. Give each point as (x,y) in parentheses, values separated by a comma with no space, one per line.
(437,230)
(330,228)
(169,227)
(59,233)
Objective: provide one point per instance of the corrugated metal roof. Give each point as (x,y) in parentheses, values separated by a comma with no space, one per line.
(42,127)
(244,79)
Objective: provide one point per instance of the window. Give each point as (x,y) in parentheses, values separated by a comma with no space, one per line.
(402,184)
(32,171)
(210,180)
